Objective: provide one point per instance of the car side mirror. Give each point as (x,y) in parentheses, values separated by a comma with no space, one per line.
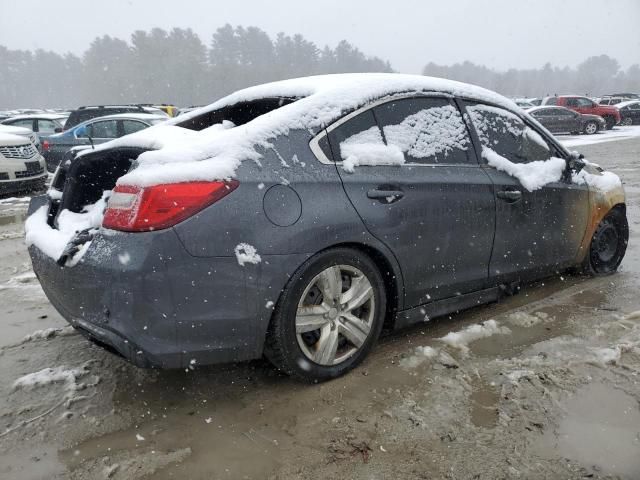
(81,132)
(57,130)
(576,162)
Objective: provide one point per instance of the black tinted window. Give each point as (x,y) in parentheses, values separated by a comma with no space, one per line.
(426,130)
(551,101)
(562,112)
(131,126)
(105,129)
(506,134)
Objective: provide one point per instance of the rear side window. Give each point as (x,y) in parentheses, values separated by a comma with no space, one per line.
(426,130)
(105,129)
(551,101)
(359,136)
(507,135)
(131,126)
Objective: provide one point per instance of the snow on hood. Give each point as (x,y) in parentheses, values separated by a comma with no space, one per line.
(180,155)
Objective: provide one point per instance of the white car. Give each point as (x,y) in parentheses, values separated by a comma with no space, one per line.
(22,168)
(22,132)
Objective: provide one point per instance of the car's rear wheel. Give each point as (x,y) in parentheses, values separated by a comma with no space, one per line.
(590,128)
(328,317)
(610,122)
(627,121)
(608,244)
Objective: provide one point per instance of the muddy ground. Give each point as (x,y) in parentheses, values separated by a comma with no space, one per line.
(551,390)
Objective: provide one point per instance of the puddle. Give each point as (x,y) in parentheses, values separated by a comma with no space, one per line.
(601,431)
(484,404)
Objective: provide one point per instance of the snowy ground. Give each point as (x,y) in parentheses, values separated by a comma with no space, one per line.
(545,384)
(617,133)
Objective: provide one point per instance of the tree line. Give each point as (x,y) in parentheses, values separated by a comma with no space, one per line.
(177,67)
(168,66)
(597,75)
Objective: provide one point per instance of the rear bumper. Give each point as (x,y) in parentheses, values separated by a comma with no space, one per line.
(144,297)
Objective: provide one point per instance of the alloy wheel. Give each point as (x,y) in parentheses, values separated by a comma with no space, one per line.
(335,315)
(591,128)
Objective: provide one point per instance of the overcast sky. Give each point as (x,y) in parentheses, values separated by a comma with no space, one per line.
(409,33)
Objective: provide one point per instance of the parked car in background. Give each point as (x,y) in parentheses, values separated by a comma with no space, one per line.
(606,100)
(630,112)
(27,133)
(170,110)
(206,255)
(587,106)
(22,168)
(522,103)
(95,131)
(563,120)
(82,114)
(44,124)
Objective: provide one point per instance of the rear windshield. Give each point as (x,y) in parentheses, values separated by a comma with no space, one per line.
(238,113)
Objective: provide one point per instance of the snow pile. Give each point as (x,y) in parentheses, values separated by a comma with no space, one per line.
(48,333)
(246,253)
(48,376)
(524,319)
(53,241)
(421,354)
(358,154)
(216,152)
(532,175)
(461,339)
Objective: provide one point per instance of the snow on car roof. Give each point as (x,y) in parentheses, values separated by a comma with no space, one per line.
(15,130)
(182,155)
(133,116)
(626,104)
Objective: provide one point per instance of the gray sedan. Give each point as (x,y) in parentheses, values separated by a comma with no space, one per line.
(563,120)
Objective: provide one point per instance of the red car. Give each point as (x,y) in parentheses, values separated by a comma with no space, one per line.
(609,113)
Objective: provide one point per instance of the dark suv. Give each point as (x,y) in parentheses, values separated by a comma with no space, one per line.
(82,114)
(585,105)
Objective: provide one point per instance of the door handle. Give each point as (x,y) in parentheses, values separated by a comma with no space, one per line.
(510,196)
(389,195)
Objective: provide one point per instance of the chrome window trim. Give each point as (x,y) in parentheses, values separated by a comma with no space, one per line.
(314,143)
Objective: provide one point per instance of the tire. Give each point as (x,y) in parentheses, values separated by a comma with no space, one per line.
(608,245)
(627,121)
(591,128)
(610,121)
(294,341)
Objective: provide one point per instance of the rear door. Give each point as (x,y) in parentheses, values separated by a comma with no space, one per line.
(567,120)
(547,117)
(539,231)
(409,168)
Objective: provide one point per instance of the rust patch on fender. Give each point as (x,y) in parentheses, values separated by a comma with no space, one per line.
(600,203)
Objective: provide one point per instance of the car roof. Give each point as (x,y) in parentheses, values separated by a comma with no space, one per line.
(44,116)
(128,116)
(624,104)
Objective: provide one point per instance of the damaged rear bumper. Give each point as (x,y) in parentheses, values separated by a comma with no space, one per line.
(145,298)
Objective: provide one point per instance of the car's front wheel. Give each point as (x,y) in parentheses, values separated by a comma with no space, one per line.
(328,317)
(608,244)
(590,128)
(627,121)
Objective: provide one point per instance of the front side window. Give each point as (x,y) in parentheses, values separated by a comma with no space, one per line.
(506,134)
(572,102)
(426,130)
(104,129)
(563,113)
(584,102)
(46,127)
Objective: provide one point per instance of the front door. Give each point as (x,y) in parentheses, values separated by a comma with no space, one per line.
(410,170)
(540,228)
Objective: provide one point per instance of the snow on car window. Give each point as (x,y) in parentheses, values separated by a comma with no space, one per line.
(368,148)
(432,132)
(489,119)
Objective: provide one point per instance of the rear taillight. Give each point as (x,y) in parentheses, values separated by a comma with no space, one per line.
(138,209)
(45,145)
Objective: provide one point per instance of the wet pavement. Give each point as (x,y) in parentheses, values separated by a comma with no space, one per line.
(551,390)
